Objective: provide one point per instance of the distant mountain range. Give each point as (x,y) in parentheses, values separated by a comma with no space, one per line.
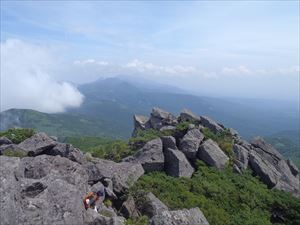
(110,104)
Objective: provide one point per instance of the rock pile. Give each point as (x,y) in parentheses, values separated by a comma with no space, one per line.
(48,184)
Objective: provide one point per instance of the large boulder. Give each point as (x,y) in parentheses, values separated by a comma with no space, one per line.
(122,175)
(211,154)
(241,156)
(211,124)
(272,168)
(190,142)
(140,123)
(129,209)
(294,169)
(36,144)
(160,118)
(176,164)
(168,142)
(188,116)
(66,150)
(93,218)
(150,156)
(32,190)
(180,217)
(152,206)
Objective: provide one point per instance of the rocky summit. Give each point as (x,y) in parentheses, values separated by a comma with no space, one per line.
(47,183)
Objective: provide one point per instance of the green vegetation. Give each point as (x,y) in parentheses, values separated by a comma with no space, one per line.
(17,135)
(101,147)
(224,140)
(14,153)
(143,220)
(224,197)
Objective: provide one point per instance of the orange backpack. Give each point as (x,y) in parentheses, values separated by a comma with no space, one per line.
(92,197)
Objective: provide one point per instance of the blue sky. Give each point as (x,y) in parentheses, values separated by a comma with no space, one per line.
(222,45)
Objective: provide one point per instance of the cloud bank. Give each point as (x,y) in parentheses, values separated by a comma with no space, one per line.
(27,79)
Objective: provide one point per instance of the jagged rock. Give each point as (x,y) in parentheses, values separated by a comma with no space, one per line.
(233,132)
(211,154)
(241,156)
(190,142)
(65,150)
(168,142)
(188,116)
(140,123)
(123,175)
(160,118)
(37,144)
(211,124)
(5,141)
(152,206)
(176,164)
(266,171)
(129,209)
(271,167)
(150,156)
(294,169)
(180,217)
(32,190)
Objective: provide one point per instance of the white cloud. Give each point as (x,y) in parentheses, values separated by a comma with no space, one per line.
(26,80)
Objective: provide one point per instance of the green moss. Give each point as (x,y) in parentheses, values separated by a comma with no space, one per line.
(14,153)
(143,220)
(17,135)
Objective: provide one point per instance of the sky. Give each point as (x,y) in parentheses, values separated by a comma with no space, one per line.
(215,48)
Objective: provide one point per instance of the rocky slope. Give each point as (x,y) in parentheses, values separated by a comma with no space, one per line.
(48,184)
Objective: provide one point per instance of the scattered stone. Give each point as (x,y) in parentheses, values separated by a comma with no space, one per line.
(211,154)
(152,206)
(241,156)
(177,164)
(128,209)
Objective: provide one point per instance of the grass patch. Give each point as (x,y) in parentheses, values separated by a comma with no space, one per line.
(14,153)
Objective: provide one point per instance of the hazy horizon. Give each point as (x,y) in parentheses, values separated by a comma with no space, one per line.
(219,49)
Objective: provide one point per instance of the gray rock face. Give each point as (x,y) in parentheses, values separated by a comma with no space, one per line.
(189,144)
(150,156)
(32,190)
(188,116)
(273,170)
(152,206)
(37,144)
(122,175)
(211,124)
(66,150)
(211,154)
(5,141)
(168,142)
(12,148)
(180,217)
(160,118)
(177,164)
(241,155)
(294,169)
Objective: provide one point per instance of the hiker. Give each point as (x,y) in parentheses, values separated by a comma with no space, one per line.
(94,199)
